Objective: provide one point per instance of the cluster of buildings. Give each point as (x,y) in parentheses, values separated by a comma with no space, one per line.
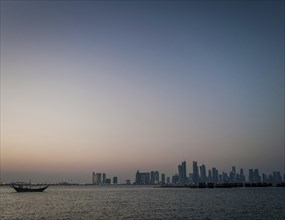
(101,179)
(255,177)
(201,175)
(149,178)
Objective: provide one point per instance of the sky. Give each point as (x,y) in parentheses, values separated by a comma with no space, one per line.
(121,86)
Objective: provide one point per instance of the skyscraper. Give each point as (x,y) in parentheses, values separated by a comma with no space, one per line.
(264,178)
(162,178)
(225,177)
(250,176)
(242,176)
(210,180)
(277,178)
(233,174)
(168,180)
(256,176)
(142,178)
(115,180)
(203,174)
(156,177)
(99,178)
(182,173)
(195,172)
(96,178)
(93,178)
(241,172)
(215,175)
(234,170)
(175,179)
(152,177)
(104,178)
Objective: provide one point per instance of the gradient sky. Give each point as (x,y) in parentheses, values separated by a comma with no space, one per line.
(119,86)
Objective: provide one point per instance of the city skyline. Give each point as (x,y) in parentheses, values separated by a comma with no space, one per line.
(199,174)
(121,86)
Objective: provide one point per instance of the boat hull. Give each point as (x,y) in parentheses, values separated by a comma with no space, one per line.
(21,189)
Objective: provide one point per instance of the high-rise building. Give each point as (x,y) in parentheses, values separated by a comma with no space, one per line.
(156,177)
(175,179)
(99,178)
(162,178)
(250,176)
(241,172)
(215,175)
(225,178)
(93,178)
(256,176)
(115,180)
(233,174)
(264,178)
(234,169)
(182,173)
(220,179)
(210,180)
(168,180)
(242,176)
(152,177)
(142,178)
(270,178)
(104,178)
(96,178)
(138,178)
(203,176)
(277,178)
(195,172)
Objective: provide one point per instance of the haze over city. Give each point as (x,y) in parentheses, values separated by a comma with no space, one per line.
(119,86)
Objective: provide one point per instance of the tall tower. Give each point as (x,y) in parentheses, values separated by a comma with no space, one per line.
(182,173)
(156,177)
(104,178)
(180,180)
(215,174)
(115,180)
(98,178)
(93,178)
(250,176)
(162,178)
(203,173)
(195,172)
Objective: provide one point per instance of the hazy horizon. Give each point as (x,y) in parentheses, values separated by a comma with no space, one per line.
(119,86)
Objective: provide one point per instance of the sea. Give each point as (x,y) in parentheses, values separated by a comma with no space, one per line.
(142,202)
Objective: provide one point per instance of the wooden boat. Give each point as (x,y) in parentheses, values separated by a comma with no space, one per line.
(23,188)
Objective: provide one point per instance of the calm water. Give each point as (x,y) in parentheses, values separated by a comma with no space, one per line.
(89,202)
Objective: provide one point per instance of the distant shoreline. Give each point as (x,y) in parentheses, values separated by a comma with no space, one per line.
(201,186)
